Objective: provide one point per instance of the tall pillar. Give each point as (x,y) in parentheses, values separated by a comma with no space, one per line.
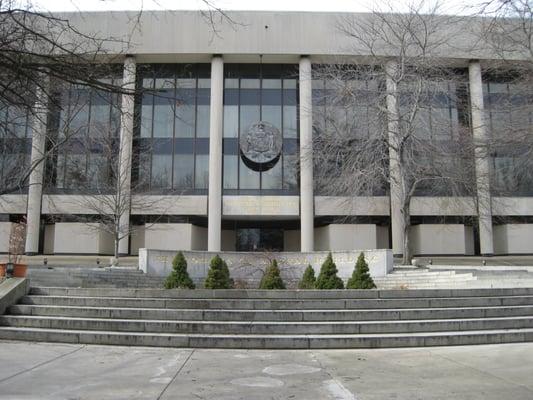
(214,223)
(482,157)
(396,216)
(306,157)
(35,190)
(125,157)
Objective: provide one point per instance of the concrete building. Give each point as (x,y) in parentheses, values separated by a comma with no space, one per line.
(222,127)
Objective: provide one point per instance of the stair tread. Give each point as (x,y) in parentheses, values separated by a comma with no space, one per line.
(308,310)
(258,336)
(394,321)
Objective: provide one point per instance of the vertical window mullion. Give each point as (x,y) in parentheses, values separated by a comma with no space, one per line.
(151,152)
(174,131)
(196,128)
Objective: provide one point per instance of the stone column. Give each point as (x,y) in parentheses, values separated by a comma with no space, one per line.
(396,216)
(35,190)
(126,137)
(480,135)
(306,157)
(214,223)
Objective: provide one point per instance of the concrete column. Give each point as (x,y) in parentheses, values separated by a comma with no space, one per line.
(306,157)
(480,135)
(397,220)
(214,223)
(126,137)
(35,190)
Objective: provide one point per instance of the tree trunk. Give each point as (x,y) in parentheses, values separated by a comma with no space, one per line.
(116,248)
(407,256)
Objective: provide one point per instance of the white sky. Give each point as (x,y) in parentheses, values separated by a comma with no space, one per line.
(450,6)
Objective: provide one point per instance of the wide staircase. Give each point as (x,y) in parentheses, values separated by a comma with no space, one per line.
(421,278)
(291,319)
(92,277)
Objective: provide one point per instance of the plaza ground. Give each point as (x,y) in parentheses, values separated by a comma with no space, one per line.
(62,371)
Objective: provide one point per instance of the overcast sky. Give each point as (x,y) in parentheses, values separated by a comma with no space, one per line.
(450,6)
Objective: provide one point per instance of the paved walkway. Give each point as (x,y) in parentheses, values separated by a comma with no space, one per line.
(60,371)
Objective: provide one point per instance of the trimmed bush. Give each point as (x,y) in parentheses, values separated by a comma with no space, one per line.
(361,278)
(328,279)
(218,275)
(179,277)
(272,278)
(308,280)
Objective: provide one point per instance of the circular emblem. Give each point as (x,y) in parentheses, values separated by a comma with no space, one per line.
(261,144)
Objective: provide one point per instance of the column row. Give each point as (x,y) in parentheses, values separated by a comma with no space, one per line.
(398,222)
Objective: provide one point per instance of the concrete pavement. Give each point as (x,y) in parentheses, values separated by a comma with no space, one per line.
(61,371)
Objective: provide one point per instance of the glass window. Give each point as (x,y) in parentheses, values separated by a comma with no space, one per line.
(271,179)
(161,173)
(248,178)
(183,171)
(231,171)
(164,113)
(178,111)
(202,171)
(254,93)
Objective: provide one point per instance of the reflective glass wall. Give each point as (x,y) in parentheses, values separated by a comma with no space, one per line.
(15,144)
(172,135)
(509,109)
(254,93)
(86,126)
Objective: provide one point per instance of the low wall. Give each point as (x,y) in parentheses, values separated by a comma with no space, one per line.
(11,290)
(246,269)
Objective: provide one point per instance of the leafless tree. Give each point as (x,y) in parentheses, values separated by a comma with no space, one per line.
(391,119)
(38,51)
(507,30)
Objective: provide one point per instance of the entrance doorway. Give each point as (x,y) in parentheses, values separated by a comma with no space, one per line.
(259,239)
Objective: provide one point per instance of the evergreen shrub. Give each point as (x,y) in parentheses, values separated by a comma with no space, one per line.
(218,275)
(272,277)
(361,278)
(179,277)
(308,280)
(327,278)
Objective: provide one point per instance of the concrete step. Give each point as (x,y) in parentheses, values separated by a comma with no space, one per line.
(277,304)
(272,315)
(423,285)
(276,294)
(426,279)
(271,319)
(268,341)
(266,328)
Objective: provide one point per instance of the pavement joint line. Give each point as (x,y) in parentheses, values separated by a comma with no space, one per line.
(43,363)
(328,373)
(481,371)
(175,375)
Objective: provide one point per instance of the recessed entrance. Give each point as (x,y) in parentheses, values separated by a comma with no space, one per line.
(259,239)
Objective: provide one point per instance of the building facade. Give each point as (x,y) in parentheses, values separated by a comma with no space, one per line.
(220,130)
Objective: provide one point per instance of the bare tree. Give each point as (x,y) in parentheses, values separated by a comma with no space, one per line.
(38,51)
(391,119)
(507,30)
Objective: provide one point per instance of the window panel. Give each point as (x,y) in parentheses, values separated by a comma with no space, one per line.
(231,121)
(272,178)
(202,171)
(163,114)
(230,171)
(290,124)
(248,178)
(183,171)
(161,172)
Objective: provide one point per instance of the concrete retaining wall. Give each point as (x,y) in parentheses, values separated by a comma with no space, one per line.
(11,290)
(513,239)
(247,268)
(439,239)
